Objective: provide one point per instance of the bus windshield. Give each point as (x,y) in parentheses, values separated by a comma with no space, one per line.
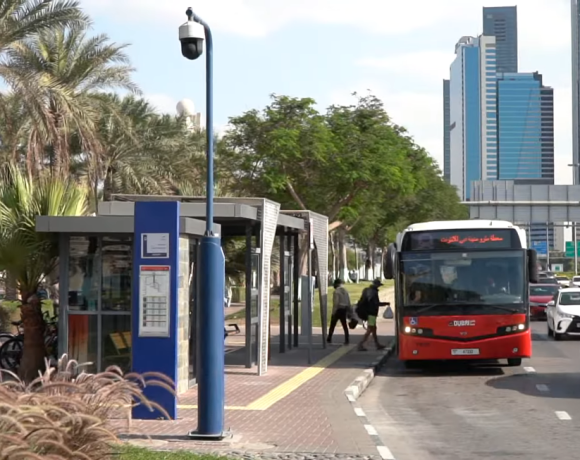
(454,283)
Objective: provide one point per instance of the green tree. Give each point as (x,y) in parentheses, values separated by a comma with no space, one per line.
(28,256)
(431,199)
(301,158)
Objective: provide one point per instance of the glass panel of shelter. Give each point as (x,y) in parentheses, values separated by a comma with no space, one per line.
(286,298)
(98,282)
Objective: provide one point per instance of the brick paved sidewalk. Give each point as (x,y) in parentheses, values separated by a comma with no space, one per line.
(264,414)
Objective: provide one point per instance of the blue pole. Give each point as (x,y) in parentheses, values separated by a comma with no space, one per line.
(210,381)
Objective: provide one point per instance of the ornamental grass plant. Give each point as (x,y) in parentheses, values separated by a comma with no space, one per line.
(65,413)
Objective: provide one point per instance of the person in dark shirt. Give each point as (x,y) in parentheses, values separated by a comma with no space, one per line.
(373,304)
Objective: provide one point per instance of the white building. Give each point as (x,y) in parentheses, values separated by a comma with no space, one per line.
(186,108)
(473,113)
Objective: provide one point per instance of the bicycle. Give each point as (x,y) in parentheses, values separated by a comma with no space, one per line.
(11,350)
(5,336)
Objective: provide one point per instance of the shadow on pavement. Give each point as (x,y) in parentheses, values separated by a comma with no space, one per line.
(446,368)
(298,357)
(561,385)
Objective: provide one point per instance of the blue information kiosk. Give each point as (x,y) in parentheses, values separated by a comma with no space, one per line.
(155,297)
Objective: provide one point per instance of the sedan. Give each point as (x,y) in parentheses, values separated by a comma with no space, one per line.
(548,280)
(563,281)
(575,281)
(563,314)
(540,295)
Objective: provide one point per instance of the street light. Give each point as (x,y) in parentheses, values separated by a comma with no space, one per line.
(210,381)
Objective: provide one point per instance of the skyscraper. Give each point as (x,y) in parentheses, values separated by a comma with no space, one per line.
(473,113)
(576,89)
(446,136)
(502,23)
(525,116)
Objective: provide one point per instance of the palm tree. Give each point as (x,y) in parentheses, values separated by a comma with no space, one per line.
(20,19)
(141,151)
(27,256)
(59,74)
(14,130)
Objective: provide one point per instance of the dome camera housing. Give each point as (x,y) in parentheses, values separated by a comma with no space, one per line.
(191,36)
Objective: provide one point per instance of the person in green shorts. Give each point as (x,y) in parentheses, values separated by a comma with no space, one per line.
(372,305)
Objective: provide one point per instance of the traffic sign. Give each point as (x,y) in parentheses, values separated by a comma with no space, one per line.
(570,248)
(541,247)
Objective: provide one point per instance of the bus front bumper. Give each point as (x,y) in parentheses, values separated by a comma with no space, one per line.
(518,345)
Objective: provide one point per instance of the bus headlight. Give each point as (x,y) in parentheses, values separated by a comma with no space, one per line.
(511,329)
(424,332)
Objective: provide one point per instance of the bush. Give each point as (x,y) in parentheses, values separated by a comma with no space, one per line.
(64,413)
(7,310)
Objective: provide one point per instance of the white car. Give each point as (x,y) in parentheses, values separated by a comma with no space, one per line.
(563,281)
(575,281)
(563,314)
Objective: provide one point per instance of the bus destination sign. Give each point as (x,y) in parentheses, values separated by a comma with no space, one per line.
(459,239)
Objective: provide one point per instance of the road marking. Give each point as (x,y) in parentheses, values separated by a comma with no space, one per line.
(529,369)
(351,398)
(542,387)
(385,453)
(283,390)
(358,411)
(562,415)
(371,430)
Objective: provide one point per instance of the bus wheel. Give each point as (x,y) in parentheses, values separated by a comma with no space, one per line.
(514,362)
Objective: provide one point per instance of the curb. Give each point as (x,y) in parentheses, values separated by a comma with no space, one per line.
(357,388)
(360,384)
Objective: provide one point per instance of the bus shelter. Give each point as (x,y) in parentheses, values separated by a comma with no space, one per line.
(96,304)
(260,221)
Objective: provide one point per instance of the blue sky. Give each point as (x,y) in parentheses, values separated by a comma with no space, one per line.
(326,49)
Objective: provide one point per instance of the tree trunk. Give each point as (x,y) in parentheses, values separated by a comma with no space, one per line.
(34,350)
(371,249)
(383,256)
(343,256)
(332,253)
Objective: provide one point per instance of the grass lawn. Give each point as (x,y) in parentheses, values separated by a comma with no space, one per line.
(137,453)
(355,291)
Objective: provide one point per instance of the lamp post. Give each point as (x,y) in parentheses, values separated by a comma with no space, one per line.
(210,381)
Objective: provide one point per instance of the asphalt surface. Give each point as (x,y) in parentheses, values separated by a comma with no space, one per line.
(459,412)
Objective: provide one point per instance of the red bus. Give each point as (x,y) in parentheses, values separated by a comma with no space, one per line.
(461,291)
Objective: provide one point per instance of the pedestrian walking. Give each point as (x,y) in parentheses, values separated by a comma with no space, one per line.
(368,309)
(340,310)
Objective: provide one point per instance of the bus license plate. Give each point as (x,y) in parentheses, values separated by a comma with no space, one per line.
(464,351)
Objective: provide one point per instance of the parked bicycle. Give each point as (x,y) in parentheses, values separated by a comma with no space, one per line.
(5,336)
(11,350)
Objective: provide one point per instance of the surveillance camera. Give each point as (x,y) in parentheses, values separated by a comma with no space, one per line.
(191,36)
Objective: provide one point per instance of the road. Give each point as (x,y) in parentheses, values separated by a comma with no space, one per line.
(468,413)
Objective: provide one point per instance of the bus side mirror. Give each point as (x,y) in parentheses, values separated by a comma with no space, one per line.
(532,266)
(390,261)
